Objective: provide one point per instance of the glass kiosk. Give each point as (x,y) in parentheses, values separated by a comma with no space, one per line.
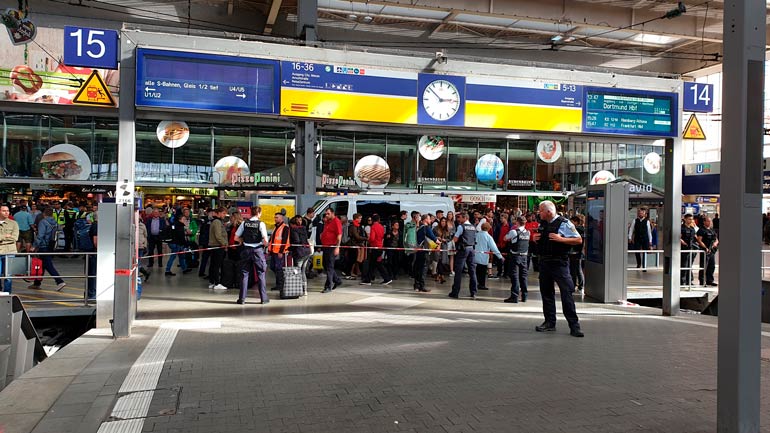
(606,246)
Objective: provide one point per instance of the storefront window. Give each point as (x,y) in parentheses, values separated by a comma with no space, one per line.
(337,160)
(463,154)
(432,160)
(189,163)
(520,167)
(490,168)
(550,166)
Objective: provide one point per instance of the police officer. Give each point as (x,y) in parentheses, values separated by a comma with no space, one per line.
(687,241)
(708,242)
(518,248)
(464,240)
(253,234)
(554,239)
(640,236)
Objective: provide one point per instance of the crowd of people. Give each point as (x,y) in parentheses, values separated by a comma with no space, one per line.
(45,227)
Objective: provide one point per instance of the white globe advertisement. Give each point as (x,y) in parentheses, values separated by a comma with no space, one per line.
(652,163)
(549,151)
(432,147)
(489,169)
(601,177)
(372,171)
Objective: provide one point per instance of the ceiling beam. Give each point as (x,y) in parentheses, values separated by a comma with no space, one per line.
(437,28)
(275,6)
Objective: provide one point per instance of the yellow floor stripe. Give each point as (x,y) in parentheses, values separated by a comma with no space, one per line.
(37,298)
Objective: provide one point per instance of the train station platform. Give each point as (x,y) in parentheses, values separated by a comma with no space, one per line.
(375,359)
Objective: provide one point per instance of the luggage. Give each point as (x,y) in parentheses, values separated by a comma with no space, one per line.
(231,274)
(35,270)
(294,282)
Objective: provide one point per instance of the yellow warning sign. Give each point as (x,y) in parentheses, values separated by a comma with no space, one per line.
(94,92)
(693,130)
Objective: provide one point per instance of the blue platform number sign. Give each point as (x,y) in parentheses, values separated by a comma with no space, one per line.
(699,97)
(90,48)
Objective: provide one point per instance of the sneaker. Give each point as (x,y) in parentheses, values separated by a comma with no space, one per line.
(220,287)
(326,290)
(362,283)
(385,283)
(546,327)
(494,277)
(266,301)
(483,288)
(423,290)
(523,297)
(452,274)
(336,285)
(170,274)
(473,297)
(187,271)
(60,286)
(240,301)
(453,296)
(512,300)
(576,332)
(211,286)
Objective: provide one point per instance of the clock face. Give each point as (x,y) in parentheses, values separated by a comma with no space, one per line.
(441,100)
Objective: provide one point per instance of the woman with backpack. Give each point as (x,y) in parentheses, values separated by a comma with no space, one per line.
(46,237)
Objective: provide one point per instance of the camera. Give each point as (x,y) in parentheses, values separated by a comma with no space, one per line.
(441,57)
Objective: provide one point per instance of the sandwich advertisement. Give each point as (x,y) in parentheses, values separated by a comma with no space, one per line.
(65,162)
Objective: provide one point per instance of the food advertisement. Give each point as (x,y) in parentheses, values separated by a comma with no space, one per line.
(173,133)
(65,161)
(229,170)
(489,169)
(549,151)
(432,147)
(652,163)
(372,171)
(34,72)
(601,177)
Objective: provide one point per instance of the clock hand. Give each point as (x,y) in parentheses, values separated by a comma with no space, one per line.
(434,92)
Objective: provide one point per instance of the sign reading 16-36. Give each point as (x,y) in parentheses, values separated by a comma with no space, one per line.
(698,97)
(90,48)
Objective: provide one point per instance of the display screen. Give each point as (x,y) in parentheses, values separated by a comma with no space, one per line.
(595,226)
(172,79)
(630,112)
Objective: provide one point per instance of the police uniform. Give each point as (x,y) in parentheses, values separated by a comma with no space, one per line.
(554,268)
(688,236)
(252,232)
(466,239)
(518,249)
(707,236)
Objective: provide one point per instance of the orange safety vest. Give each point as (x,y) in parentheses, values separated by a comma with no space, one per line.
(279,242)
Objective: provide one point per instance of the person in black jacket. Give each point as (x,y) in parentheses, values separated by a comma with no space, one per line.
(203,240)
(177,245)
(298,238)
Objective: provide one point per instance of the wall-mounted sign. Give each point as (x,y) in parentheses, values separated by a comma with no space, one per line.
(693,130)
(229,170)
(631,112)
(91,48)
(348,92)
(328,181)
(372,171)
(601,177)
(94,92)
(652,163)
(65,161)
(489,169)
(524,105)
(174,79)
(432,180)
(431,147)
(172,133)
(698,97)
(701,168)
(707,199)
(549,151)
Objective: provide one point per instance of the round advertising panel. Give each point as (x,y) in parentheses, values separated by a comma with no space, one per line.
(228,169)
(601,177)
(489,169)
(432,147)
(372,171)
(652,163)
(65,161)
(172,133)
(549,150)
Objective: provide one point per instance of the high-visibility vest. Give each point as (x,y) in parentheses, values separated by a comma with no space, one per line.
(59,216)
(279,244)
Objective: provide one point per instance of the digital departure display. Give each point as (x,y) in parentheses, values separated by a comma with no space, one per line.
(630,112)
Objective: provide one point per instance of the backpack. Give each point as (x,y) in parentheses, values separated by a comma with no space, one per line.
(410,236)
(83,241)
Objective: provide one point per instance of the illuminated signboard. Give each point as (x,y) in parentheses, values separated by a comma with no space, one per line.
(630,112)
(171,79)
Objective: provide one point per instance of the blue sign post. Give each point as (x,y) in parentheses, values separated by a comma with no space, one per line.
(698,97)
(171,79)
(90,48)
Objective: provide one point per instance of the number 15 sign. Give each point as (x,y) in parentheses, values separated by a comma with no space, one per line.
(90,48)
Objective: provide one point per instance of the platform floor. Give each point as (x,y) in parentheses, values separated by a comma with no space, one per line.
(376,359)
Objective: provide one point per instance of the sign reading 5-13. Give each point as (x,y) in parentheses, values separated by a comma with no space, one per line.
(90,48)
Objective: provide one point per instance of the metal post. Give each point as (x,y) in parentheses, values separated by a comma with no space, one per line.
(671,226)
(739,343)
(306,137)
(105,265)
(125,295)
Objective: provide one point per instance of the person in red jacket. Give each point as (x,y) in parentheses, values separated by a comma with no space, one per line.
(376,254)
(331,236)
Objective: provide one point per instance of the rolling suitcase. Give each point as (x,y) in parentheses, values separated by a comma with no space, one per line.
(293,282)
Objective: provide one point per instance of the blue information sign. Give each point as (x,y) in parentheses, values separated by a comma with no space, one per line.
(698,97)
(555,95)
(172,79)
(90,48)
(319,76)
(630,112)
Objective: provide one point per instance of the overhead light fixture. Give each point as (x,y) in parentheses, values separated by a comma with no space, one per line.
(368,19)
(678,11)
(562,38)
(352,17)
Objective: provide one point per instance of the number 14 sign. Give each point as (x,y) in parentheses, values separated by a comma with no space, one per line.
(698,97)
(90,48)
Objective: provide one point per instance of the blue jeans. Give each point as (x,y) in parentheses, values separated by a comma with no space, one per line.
(175,249)
(48,267)
(7,282)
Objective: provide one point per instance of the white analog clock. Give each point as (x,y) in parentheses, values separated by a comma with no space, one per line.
(441,100)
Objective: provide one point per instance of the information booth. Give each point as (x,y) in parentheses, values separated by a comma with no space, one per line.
(606,246)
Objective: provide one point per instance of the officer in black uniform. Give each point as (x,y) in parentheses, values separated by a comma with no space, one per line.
(464,240)
(555,238)
(518,249)
(640,236)
(687,242)
(708,242)
(253,234)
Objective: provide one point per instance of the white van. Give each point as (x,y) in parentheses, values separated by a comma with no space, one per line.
(386,206)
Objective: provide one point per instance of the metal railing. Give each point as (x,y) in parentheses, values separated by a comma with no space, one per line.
(693,268)
(20,347)
(17,267)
